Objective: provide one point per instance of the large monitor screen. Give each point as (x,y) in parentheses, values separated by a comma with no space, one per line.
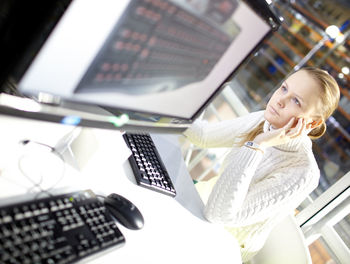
(153,57)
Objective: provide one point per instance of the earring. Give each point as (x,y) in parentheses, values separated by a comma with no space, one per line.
(316,123)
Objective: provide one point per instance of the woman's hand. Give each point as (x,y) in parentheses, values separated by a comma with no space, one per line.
(281,135)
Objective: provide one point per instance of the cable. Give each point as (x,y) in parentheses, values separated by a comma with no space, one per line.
(38,184)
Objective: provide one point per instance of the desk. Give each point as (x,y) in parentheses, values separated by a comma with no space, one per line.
(175,230)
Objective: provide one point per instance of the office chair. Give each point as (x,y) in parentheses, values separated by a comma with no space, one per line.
(286,244)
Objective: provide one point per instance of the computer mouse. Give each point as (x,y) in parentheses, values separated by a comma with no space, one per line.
(124,211)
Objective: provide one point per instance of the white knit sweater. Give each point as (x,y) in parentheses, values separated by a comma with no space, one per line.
(254,191)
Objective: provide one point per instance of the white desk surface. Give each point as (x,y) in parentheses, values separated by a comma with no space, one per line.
(174,231)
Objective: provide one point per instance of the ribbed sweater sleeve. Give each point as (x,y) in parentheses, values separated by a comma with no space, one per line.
(221,134)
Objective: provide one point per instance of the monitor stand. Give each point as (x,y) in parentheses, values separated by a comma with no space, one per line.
(77,147)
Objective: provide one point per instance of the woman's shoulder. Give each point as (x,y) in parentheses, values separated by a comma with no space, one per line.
(304,155)
(295,159)
(304,164)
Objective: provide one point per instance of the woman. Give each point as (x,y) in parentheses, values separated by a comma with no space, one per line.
(271,168)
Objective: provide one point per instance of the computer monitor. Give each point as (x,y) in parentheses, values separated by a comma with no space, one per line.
(150,65)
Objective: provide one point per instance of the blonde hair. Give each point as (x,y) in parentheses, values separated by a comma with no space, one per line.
(329,97)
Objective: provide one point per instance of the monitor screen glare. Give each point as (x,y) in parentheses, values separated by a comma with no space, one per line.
(152,56)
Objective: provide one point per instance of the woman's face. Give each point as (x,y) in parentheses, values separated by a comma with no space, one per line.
(297,97)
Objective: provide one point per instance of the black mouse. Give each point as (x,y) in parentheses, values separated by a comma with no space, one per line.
(124,211)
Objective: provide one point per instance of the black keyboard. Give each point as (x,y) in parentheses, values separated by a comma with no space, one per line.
(147,165)
(59,229)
